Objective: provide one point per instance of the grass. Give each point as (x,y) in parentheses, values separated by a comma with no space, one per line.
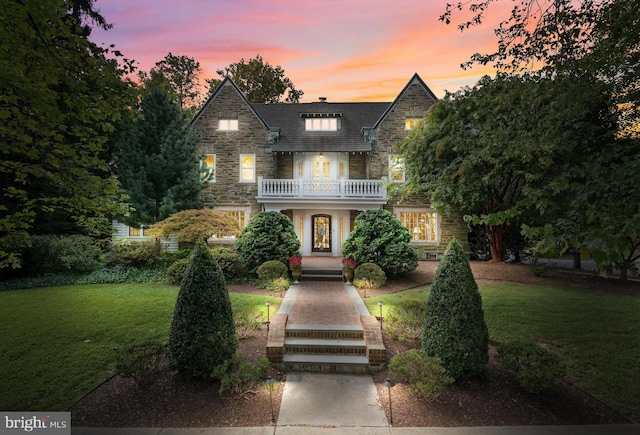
(58,342)
(596,334)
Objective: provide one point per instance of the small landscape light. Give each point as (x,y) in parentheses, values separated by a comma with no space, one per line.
(269,383)
(389,384)
(380,304)
(268,304)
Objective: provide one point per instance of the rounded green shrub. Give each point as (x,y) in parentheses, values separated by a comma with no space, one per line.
(454,329)
(379,237)
(404,321)
(50,254)
(176,271)
(203,333)
(536,369)
(422,373)
(268,236)
(272,270)
(227,259)
(369,275)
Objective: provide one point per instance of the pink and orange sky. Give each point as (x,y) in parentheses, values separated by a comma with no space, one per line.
(345,50)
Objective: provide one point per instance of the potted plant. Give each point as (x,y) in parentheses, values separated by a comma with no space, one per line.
(295,265)
(348,265)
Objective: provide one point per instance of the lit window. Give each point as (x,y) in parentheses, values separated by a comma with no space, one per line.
(228,125)
(247,168)
(209,168)
(341,170)
(300,170)
(421,224)
(240,216)
(411,123)
(321,124)
(396,168)
(135,232)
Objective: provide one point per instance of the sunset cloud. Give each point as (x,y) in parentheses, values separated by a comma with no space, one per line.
(345,50)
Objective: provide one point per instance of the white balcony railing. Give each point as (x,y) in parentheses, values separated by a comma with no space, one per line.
(302,188)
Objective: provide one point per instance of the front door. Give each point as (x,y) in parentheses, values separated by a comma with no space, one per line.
(321,235)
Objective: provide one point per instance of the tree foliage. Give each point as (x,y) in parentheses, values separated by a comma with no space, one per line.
(259,81)
(203,333)
(454,329)
(181,73)
(191,225)
(379,237)
(157,160)
(492,150)
(59,98)
(269,235)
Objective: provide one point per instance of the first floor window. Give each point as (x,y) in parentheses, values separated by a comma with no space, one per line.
(247,168)
(422,224)
(396,168)
(135,232)
(240,215)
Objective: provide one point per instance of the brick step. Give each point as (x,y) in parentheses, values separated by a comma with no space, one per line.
(324,346)
(326,363)
(335,332)
(321,275)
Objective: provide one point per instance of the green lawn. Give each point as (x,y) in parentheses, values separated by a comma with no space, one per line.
(596,334)
(57,343)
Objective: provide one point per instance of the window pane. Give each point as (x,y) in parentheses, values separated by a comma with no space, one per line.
(321,124)
(228,124)
(134,232)
(209,163)
(396,168)
(411,123)
(421,225)
(247,167)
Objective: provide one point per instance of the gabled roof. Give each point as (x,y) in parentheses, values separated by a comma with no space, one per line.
(415,79)
(215,93)
(289,118)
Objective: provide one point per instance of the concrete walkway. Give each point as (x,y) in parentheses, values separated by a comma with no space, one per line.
(331,404)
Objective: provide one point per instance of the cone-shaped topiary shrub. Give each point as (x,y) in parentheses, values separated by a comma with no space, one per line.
(454,329)
(203,333)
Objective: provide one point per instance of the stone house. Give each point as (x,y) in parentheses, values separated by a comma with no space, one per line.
(319,163)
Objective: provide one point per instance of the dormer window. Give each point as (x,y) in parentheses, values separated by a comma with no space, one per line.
(321,124)
(228,125)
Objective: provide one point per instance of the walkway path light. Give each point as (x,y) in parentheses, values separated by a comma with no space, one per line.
(380,304)
(268,304)
(269,383)
(389,384)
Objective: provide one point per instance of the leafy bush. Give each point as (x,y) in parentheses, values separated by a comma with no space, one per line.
(421,372)
(227,259)
(137,254)
(176,271)
(247,322)
(536,369)
(239,375)
(454,329)
(369,275)
(139,360)
(379,237)
(203,333)
(268,236)
(272,270)
(51,254)
(279,285)
(404,321)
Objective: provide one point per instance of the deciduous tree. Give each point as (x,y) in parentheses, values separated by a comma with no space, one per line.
(191,225)
(182,73)
(259,81)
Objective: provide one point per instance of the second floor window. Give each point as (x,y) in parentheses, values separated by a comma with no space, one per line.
(209,167)
(228,125)
(396,168)
(411,123)
(247,168)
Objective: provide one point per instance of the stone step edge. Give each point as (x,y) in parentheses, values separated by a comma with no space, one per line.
(324,342)
(297,358)
(323,328)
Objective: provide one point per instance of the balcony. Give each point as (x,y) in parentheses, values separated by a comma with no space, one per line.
(302,193)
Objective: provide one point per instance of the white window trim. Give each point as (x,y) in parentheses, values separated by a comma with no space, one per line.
(398,210)
(240,179)
(391,178)
(318,124)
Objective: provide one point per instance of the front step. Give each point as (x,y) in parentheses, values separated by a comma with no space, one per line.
(325,348)
(321,274)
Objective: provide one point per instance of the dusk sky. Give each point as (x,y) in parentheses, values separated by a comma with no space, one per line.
(345,50)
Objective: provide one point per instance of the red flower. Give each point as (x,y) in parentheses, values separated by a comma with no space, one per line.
(348,263)
(295,261)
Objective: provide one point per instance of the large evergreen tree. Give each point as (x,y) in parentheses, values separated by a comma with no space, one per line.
(203,332)
(454,329)
(157,160)
(59,97)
